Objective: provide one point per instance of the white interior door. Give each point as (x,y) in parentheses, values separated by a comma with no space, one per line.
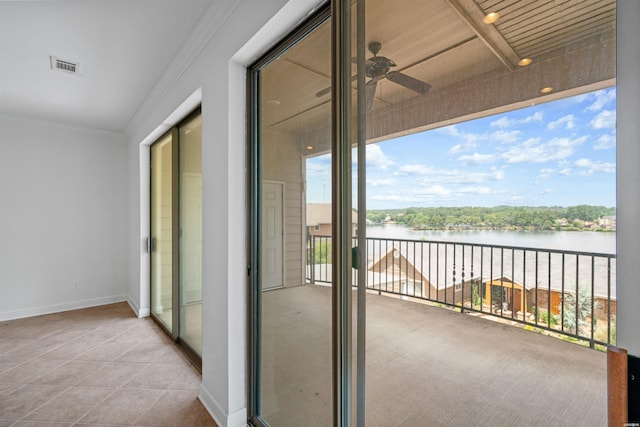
(272,235)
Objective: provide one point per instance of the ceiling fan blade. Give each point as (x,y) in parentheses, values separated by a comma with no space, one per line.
(409,82)
(370,93)
(323,92)
(326,90)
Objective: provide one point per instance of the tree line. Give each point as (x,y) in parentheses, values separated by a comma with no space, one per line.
(498,217)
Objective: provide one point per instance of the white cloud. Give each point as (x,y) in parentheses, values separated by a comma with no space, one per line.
(477,158)
(318,167)
(568,122)
(381,182)
(603,97)
(505,122)
(546,173)
(389,198)
(606,119)
(565,171)
(474,190)
(605,142)
(582,167)
(434,190)
(535,117)
(449,130)
(547,191)
(589,167)
(458,177)
(455,176)
(455,149)
(376,158)
(533,151)
(469,140)
(408,170)
(505,137)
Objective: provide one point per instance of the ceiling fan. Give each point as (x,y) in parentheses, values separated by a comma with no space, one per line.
(378,68)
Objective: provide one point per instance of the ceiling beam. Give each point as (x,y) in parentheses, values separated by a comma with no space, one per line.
(472,15)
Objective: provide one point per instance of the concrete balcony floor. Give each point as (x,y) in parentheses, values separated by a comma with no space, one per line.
(426,366)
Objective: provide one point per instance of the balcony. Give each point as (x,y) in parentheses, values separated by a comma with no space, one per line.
(426,365)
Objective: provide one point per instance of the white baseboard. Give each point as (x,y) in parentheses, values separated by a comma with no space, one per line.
(219,415)
(140,312)
(144,312)
(57,308)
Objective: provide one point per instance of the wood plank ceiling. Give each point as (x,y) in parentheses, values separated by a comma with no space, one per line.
(442,42)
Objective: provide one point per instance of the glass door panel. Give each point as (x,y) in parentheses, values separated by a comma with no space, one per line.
(162,231)
(466,101)
(294,286)
(191,233)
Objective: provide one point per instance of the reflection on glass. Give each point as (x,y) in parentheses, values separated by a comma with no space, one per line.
(295,352)
(191,233)
(161,232)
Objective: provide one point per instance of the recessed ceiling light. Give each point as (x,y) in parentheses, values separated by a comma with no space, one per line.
(546,89)
(273,102)
(525,61)
(309,147)
(491,17)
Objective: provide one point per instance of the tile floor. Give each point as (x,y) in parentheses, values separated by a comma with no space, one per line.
(96,366)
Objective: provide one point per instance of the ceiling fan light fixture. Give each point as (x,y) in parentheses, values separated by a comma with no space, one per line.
(524,62)
(491,17)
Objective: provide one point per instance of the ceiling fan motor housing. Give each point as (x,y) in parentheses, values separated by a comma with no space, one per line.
(378,66)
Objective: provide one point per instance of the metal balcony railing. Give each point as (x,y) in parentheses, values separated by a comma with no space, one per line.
(567,292)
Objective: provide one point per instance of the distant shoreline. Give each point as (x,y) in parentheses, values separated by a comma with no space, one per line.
(506,218)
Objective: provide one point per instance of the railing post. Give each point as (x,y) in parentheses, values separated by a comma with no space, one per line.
(312,246)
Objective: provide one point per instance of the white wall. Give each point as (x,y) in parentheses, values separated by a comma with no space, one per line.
(628,173)
(63,224)
(230,35)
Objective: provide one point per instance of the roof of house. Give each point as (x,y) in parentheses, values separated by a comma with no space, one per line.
(437,262)
(320,213)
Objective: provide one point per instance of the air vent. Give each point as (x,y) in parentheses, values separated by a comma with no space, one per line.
(62,65)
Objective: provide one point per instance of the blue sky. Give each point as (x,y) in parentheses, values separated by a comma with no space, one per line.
(560,153)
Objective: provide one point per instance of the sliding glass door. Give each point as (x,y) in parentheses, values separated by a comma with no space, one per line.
(304,156)
(293,349)
(176,233)
(162,245)
(462,105)
(190,259)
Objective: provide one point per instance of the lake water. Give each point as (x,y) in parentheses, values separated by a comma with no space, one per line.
(584,241)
